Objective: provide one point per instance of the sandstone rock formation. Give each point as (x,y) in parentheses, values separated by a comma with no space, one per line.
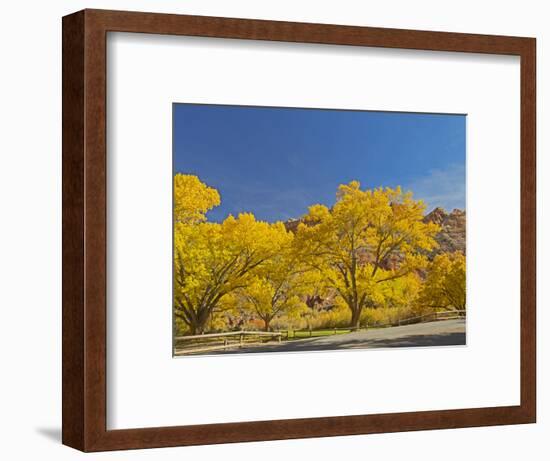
(453,229)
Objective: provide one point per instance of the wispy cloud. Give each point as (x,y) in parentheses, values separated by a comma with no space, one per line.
(441,188)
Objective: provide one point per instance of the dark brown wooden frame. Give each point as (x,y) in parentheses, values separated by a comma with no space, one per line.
(84,229)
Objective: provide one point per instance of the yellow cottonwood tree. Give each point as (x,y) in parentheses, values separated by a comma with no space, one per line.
(278,288)
(367,238)
(402,292)
(192,199)
(212,260)
(445,285)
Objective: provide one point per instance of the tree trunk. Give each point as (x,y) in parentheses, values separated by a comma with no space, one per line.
(355,317)
(195,329)
(266,324)
(198,326)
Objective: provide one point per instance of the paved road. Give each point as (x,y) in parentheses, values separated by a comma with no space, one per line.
(441,333)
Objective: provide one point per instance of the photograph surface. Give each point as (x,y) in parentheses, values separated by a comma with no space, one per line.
(301,229)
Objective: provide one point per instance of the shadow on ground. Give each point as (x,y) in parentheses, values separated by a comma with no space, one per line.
(52,433)
(446,339)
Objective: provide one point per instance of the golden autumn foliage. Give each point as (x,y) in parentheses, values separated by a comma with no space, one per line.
(366,253)
(279,288)
(192,199)
(445,285)
(368,238)
(212,260)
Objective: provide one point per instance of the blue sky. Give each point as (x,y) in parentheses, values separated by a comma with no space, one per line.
(275,162)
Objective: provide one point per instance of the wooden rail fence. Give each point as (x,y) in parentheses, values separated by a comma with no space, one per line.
(219,341)
(431,317)
(311,332)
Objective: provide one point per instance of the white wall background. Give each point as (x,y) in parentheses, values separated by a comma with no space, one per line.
(30,231)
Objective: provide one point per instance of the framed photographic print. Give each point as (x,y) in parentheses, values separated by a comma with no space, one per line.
(278,230)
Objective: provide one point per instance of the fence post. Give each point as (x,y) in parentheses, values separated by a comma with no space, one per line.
(241,339)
